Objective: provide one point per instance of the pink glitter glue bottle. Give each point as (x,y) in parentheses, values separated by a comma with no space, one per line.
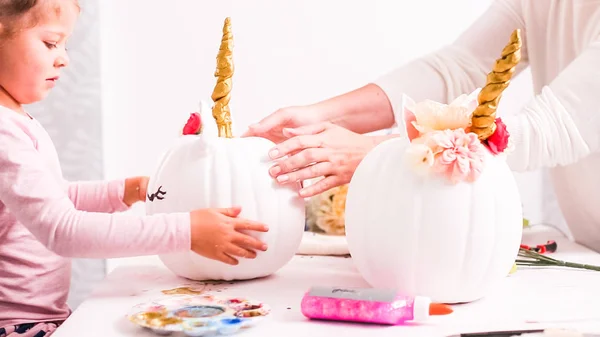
(378,306)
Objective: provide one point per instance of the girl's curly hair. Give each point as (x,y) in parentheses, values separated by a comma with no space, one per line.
(19,14)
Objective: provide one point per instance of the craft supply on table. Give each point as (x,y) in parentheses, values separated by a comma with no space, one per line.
(528,333)
(378,306)
(548,247)
(198,315)
(529,257)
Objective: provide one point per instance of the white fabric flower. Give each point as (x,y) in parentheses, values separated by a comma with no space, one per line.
(419,157)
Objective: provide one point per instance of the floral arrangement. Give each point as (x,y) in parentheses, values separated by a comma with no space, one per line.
(325,211)
(455,140)
(442,143)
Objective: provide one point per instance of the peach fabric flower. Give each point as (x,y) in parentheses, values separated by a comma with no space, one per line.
(458,155)
(431,116)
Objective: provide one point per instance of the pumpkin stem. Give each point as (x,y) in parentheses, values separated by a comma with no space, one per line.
(222,92)
(483,122)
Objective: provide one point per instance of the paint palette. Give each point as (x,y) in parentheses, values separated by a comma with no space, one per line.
(198,315)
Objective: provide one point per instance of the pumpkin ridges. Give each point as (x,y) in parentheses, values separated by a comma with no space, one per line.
(226,180)
(258,210)
(417,220)
(469,230)
(470,272)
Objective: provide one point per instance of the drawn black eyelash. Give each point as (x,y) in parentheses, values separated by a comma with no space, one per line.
(159,194)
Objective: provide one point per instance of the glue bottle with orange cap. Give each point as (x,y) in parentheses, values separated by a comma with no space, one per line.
(367,305)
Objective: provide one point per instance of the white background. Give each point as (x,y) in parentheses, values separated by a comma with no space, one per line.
(158,60)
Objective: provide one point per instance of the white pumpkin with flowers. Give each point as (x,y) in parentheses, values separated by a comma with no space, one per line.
(438,213)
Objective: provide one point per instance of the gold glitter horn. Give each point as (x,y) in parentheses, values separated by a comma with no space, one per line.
(483,121)
(222,92)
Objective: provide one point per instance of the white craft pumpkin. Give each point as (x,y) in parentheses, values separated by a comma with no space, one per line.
(209,170)
(426,237)
(426,234)
(202,171)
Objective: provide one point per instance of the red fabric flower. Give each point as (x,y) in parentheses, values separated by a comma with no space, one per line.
(193,125)
(498,141)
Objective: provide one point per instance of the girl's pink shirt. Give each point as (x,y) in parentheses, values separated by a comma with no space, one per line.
(45,221)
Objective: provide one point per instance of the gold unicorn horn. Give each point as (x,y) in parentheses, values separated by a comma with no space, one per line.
(222,92)
(484,117)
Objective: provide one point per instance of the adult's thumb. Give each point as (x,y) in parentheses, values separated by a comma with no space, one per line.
(248,133)
(312,129)
(277,118)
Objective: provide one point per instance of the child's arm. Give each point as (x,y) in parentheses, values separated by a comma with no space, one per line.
(39,201)
(107,196)
(98,196)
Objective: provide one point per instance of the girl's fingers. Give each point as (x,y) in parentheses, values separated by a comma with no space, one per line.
(234,250)
(225,258)
(230,212)
(249,225)
(248,242)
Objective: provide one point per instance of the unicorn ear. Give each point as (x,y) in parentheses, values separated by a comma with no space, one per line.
(209,125)
(472,101)
(404,116)
(468,101)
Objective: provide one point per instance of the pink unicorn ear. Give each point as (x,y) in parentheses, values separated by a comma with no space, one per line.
(411,131)
(407,116)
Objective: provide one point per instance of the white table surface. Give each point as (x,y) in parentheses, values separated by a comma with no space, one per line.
(530,298)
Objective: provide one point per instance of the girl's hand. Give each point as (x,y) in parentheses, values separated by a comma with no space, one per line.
(317,150)
(135,190)
(216,234)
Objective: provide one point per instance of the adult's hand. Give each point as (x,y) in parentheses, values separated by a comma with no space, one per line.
(319,150)
(363,110)
(271,127)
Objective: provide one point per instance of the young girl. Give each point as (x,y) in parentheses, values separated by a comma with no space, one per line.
(44,221)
